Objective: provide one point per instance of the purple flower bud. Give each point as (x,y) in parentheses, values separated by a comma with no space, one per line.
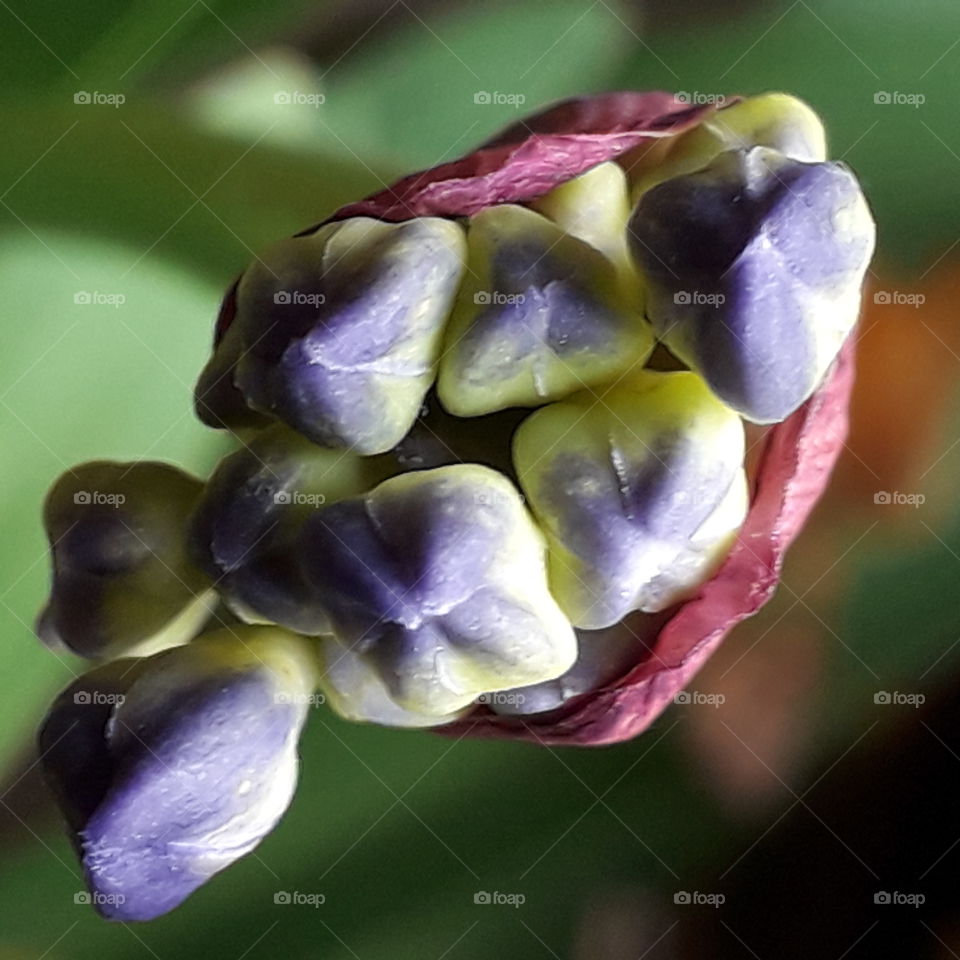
(754,266)
(185,770)
(542,313)
(353,689)
(337,333)
(71,743)
(639,492)
(602,656)
(250,515)
(123,582)
(436,578)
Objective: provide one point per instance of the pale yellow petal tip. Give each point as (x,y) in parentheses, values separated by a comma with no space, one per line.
(355,692)
(776,120)
(518,336)
(637,492)
(292,660)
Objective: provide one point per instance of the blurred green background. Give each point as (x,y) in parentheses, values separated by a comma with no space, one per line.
(147,156)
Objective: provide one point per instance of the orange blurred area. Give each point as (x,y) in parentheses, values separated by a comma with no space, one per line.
(770,669)
(908,361)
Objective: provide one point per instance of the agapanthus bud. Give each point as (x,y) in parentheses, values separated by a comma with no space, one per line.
(123,583)
(775,120)
(595,208)
(337,332)
(182,765)
(354,689)
(754,267)
(546,308)
(72,744)
(639,491)
(251,512)
(602,656)
(437,579)
(436,595)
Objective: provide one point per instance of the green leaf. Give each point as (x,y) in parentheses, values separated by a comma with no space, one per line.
(146,176)
(416,95)
(113,45)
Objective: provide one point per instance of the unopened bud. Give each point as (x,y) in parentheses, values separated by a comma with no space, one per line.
(123,582)
(543,312)
(337,333)
(754,267)
(189,771)
(354,689)
(639,492)
(437,579)
(251,513)
(775,120)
